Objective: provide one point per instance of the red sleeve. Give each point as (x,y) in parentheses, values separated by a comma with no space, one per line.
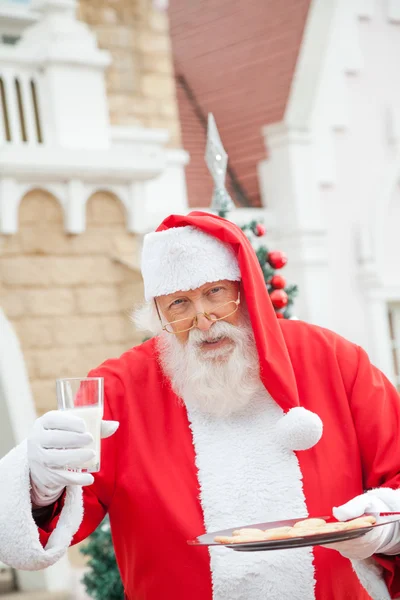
(96,497)
(375,406)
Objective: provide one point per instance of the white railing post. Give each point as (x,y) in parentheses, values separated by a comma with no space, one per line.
(3,134)
(12,105)
(28,108)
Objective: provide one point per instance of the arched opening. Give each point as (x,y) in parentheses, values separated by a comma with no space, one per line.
(104,208)
(106,216)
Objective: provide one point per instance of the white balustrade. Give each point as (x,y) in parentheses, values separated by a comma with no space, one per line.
(21,119)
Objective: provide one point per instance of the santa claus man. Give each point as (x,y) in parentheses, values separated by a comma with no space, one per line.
(227,416)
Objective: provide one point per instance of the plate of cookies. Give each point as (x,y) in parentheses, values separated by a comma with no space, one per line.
(291,533)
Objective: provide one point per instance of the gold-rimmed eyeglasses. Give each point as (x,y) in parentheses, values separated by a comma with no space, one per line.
(219,313)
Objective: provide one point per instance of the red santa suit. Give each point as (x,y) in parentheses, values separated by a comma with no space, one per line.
(171,473)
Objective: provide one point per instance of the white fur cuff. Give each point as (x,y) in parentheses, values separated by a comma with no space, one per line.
(20,546)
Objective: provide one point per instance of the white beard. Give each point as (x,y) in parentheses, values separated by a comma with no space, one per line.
(220,381)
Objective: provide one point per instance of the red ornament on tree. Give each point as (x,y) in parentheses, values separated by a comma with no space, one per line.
(280,315)
(259,230)
(278,282)
(279,298)
(277,259)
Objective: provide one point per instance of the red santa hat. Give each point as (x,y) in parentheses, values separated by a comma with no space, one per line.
(187,251)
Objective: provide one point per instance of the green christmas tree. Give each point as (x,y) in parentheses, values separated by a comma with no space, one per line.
(103,581)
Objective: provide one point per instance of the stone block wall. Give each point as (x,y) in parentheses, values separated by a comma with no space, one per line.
(67,297)
(140,81)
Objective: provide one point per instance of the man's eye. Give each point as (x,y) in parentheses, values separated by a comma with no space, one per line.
(215,290)
(176,302)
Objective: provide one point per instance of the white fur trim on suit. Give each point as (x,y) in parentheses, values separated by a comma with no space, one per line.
(299,429)
(20,546)
(184,258)
(244,476)
(371,578)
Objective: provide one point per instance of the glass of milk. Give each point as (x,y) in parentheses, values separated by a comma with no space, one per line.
(83,397)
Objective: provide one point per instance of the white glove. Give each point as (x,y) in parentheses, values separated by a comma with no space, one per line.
(57,440)
(384,539)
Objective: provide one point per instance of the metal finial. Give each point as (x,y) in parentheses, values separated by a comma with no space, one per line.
(217,162)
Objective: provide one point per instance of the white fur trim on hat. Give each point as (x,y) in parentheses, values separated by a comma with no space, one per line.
(184,258)
(299,429)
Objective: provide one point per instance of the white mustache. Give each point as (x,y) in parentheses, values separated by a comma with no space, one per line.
(218,388)
(217,330)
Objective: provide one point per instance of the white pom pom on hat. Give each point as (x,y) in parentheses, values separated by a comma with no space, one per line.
(299,429)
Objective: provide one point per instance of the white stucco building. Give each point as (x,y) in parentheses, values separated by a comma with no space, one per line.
(333,175)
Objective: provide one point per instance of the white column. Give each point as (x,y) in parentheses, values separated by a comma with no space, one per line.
(136,210)
(290,191)
(75,208)
(9,203)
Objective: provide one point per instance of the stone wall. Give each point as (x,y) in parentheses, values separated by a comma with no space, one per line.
(67,297)
(140,81)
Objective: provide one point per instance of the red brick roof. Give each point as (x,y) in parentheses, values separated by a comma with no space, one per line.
(237,57)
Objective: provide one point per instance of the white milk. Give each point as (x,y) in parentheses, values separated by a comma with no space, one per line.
(92,415)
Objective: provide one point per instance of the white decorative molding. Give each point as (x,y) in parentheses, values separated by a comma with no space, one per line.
(393,11)
(48,164)
(147,177)
(14,18)
(58,36)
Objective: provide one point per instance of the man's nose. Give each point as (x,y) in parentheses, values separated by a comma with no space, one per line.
(203,323)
